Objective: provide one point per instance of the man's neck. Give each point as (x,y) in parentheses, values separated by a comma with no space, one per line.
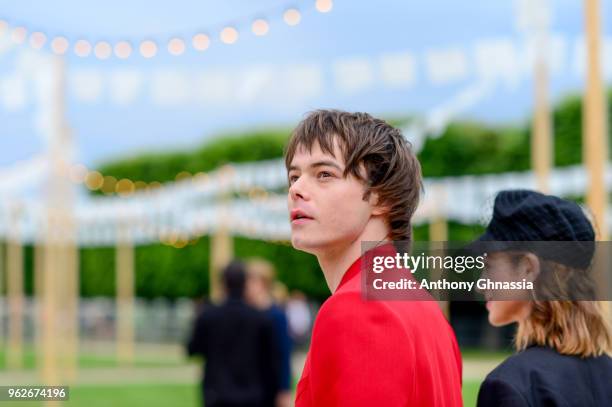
(335,263)
(336,260)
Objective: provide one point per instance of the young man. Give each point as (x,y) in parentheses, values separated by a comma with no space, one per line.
(353,179)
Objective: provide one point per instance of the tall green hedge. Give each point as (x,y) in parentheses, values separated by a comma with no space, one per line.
(227,148)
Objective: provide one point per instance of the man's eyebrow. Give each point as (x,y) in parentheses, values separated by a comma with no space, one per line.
(322,163)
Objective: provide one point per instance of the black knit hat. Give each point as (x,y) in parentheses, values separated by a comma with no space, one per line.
(530,216)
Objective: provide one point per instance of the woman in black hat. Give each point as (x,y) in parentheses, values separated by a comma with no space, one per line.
(564,343)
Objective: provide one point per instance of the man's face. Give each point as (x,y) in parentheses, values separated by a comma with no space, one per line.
(326,210)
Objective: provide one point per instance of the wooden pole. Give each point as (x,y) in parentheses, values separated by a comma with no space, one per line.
(533,19)
(73,285)
(438,236)
(594,132)
(14,288)
(221,244)
(62,319)
(49,328)
(595,140)
(56,320)
(125,301)
(69,304)
(2,276)
(221,253)
(39,276)
(541,141)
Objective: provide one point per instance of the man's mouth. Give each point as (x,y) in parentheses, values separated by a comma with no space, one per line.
(299,216)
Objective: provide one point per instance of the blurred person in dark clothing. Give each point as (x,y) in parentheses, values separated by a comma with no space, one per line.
(259,293)
(238,345)
(299,317)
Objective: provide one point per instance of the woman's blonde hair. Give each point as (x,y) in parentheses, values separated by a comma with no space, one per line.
(580,328)
(577,328)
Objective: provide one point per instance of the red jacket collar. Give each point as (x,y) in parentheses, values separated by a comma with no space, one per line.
(385,249)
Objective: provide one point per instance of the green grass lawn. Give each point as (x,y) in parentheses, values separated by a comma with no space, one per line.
(166,395)
(127,396)
(480,354)
(171,394)
(470,392)
(90,360)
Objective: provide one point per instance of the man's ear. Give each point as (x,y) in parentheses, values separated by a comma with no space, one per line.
(378,210)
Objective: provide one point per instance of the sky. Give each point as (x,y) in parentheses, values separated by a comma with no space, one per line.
(437,59)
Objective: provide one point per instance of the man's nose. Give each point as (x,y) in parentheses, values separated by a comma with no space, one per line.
(297,190)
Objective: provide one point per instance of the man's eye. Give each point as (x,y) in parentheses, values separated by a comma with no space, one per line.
(292,179)
(324,174)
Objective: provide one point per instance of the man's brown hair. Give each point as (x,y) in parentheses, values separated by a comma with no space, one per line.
(392,169)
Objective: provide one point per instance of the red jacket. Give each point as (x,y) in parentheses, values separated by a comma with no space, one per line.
(379,353)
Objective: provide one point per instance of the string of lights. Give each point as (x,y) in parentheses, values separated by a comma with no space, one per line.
(147,47)
(230,176)
(110,185)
